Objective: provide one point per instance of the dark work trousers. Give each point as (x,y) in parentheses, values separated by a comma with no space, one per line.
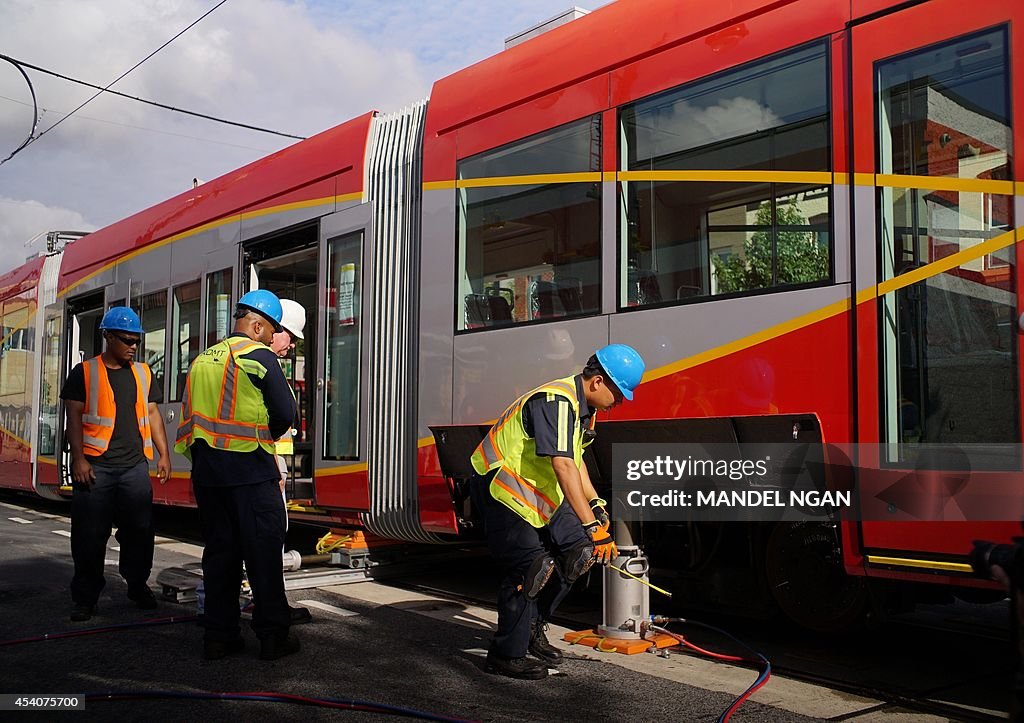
(121,496)
(243,522)
(515,543)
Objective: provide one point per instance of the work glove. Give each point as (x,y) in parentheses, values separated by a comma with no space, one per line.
(599,508)
(604,546)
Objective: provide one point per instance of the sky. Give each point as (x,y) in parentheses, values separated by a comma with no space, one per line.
(291,66)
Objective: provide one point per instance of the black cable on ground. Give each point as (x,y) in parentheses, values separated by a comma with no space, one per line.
(660,624)
(272,697)
(103,629)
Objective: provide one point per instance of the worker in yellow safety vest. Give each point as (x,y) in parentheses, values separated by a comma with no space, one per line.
(545,523)
(236,403)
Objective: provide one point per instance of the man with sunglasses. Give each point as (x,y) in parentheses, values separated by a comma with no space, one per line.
(545,523)
(113,425)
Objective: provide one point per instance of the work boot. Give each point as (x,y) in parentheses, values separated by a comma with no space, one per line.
(81,613)
(523,668)
(541,648)
(217,649)
(143,598)
(275,646)
(300,616)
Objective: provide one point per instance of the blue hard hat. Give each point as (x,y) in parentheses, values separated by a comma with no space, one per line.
(265,303)
(121,318)
(624,365)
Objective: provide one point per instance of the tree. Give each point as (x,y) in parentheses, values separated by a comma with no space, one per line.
(800,258)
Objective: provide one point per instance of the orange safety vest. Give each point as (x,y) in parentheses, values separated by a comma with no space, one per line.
(100,408)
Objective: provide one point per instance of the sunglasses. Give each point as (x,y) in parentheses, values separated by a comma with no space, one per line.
(619,398)
(128,341)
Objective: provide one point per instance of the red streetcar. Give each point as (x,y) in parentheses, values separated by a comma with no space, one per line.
(801,213)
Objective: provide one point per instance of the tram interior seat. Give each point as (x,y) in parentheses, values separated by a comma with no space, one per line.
(561,297)
(687,291)
(484,310)
(478,311)
(501,311)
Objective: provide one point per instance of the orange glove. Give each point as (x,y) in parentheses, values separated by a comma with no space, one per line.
(598,507)
(604,546)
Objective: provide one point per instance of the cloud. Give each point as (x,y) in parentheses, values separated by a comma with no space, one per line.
(678,126)
(298,67)
(25,219)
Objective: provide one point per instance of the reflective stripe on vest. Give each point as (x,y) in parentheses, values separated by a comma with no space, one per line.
(524,482)
(285,446)
(101,408)
(221,405)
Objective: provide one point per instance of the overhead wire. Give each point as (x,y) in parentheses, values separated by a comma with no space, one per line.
(154,103)
(44,110)
(125,73)
(35,109)
(21,65)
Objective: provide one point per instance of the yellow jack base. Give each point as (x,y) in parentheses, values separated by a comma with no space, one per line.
(604,644)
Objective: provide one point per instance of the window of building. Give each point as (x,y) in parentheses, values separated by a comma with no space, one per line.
(529,240)
(727,186)
(185,321)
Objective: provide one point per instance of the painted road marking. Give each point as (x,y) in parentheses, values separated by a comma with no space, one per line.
(328,608)
(20,521)
(65,533)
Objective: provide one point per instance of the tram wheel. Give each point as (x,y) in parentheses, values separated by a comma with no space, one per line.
(804,567)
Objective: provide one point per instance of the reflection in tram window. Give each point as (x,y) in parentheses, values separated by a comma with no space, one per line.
(48,393)
(687,230)
(188,336)
(218,306)
(531,251)
(948,340)
(153,314)
(15,375)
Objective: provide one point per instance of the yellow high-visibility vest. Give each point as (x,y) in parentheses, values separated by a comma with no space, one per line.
(221,405)
(524,482)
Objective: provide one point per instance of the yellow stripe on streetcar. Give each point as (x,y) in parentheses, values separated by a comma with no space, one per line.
(919,564)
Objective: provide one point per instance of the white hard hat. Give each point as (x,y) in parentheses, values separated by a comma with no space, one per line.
(293,317)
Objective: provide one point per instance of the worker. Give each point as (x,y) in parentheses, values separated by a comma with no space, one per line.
(236,403)
(544,521)
(293,321)
(113,426)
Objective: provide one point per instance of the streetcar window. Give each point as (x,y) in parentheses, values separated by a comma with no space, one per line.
(189,337)
(948,341)
(50,384)
(728,183)
(341,398)
(218,306)
(530,245)
(152,309)
(15,371)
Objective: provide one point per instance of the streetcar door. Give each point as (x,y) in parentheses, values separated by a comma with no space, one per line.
(341,399)
(287,263)
(938,292)
(84,341)
(51,411)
